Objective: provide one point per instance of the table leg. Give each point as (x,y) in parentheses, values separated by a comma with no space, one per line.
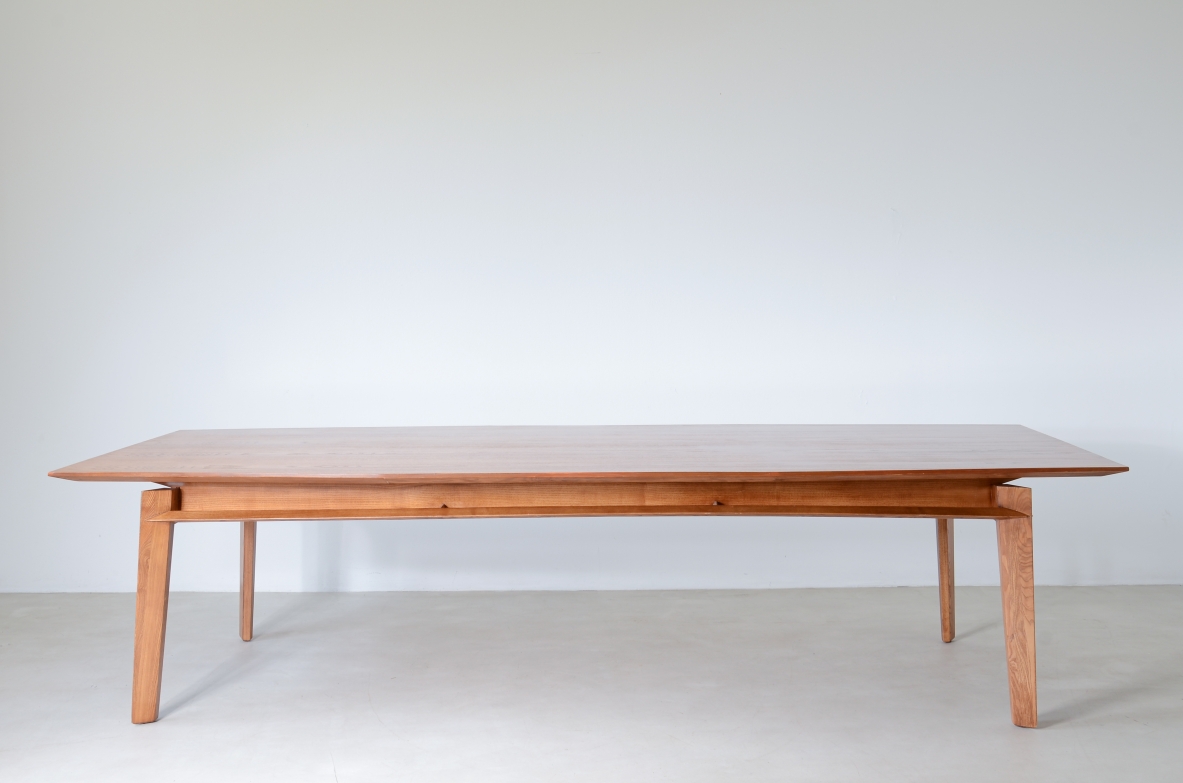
(1016,570)
(156,551)
(246,585)
(945,578)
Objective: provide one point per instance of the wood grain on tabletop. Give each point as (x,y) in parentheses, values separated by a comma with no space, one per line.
(647,452)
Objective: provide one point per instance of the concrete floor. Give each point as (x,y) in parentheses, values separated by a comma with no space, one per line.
(784,685)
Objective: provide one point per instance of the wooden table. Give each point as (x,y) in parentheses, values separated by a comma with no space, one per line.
(935,471)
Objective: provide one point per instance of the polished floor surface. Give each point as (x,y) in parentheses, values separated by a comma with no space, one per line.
(777,685)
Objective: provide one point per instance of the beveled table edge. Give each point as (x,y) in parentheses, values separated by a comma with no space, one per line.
(1001,475)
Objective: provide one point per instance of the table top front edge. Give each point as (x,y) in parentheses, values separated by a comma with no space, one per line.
(995,474)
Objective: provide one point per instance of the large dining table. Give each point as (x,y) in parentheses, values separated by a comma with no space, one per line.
(941,472)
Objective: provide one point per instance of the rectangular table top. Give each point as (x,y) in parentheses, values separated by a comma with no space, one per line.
(738,452)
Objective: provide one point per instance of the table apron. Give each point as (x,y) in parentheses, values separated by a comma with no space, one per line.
(952,499)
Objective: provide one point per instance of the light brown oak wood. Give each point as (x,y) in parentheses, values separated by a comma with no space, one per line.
(155,563)
(945,579)
(246,583)
(1017,573)
(934,471)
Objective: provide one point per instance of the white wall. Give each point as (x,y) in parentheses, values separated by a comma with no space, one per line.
(303,214)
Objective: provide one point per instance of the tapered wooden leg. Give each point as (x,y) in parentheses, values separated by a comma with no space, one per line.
(246,585)
(156,552)
(945,578)
(1016,569)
